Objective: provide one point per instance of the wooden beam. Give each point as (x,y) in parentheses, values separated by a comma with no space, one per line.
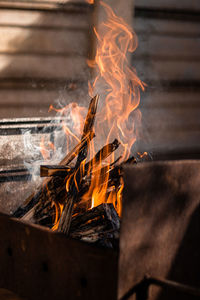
(169,4)
(67,8)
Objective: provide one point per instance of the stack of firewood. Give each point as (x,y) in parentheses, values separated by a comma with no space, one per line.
(98,225)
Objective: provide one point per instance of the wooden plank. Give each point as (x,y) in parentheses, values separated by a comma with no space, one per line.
(171,98)
(156,140)
(170,126)
(23,110)
(42,98)
(52,1)
(150,69)
(24,102)
(42,19)
(166,27)
(49,1)
(57,268)
(171,118)
(172,4)
(27,103)
(171,70)
(66,7)
(168,46)
(164,141)
(43,67)
(62,42)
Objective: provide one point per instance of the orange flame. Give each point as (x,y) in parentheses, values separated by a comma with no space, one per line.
(58,212)
(90,1)
(121,84)
(118,113)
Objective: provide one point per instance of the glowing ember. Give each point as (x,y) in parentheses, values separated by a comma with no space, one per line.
(90,1)
(116,118)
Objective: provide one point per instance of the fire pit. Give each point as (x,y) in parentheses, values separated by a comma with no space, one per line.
(104,223)
(160,227)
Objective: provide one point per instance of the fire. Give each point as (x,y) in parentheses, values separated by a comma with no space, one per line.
(115,40)
(58,210)
(90,1)
(46,150)
(118,113)
(120,81)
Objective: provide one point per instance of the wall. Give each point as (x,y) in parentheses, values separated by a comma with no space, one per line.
(43,51)
(168,60)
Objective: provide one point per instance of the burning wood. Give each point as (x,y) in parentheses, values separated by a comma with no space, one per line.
(65,220)
(56,185)
(64,223)
(67,184)
(83,199)
(58,170)
(54,170)
(100,224)
(88,126)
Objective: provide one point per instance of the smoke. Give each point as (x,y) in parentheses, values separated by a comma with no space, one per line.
(119,87)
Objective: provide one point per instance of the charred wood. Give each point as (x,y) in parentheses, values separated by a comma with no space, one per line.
(43,213)
(100,224)
(54,170)
(88,126)
(63,171)
(78,148)
(103,211)
(65,220)
(52,189)
(102,154)
(66,216)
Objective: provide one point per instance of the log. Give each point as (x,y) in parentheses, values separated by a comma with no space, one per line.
(83,180)
(65,220)
(102,154)
(57,170)
(100,224)
(60,196)
(54,170)
(103,211)
(88,126)
(56,185)
(54,190)
(78,148)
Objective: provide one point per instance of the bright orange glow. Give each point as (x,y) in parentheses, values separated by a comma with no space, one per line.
(58,209)
(117,117)
(90,1)
(142,155)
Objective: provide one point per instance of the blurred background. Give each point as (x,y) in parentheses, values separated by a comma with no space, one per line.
(43,50)
(167,59)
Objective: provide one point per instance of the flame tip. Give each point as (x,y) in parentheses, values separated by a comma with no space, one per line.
(121,97)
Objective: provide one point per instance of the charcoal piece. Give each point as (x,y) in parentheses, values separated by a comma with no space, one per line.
(98,225)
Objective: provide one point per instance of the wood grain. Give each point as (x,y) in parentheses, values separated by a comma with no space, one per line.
(172,4)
